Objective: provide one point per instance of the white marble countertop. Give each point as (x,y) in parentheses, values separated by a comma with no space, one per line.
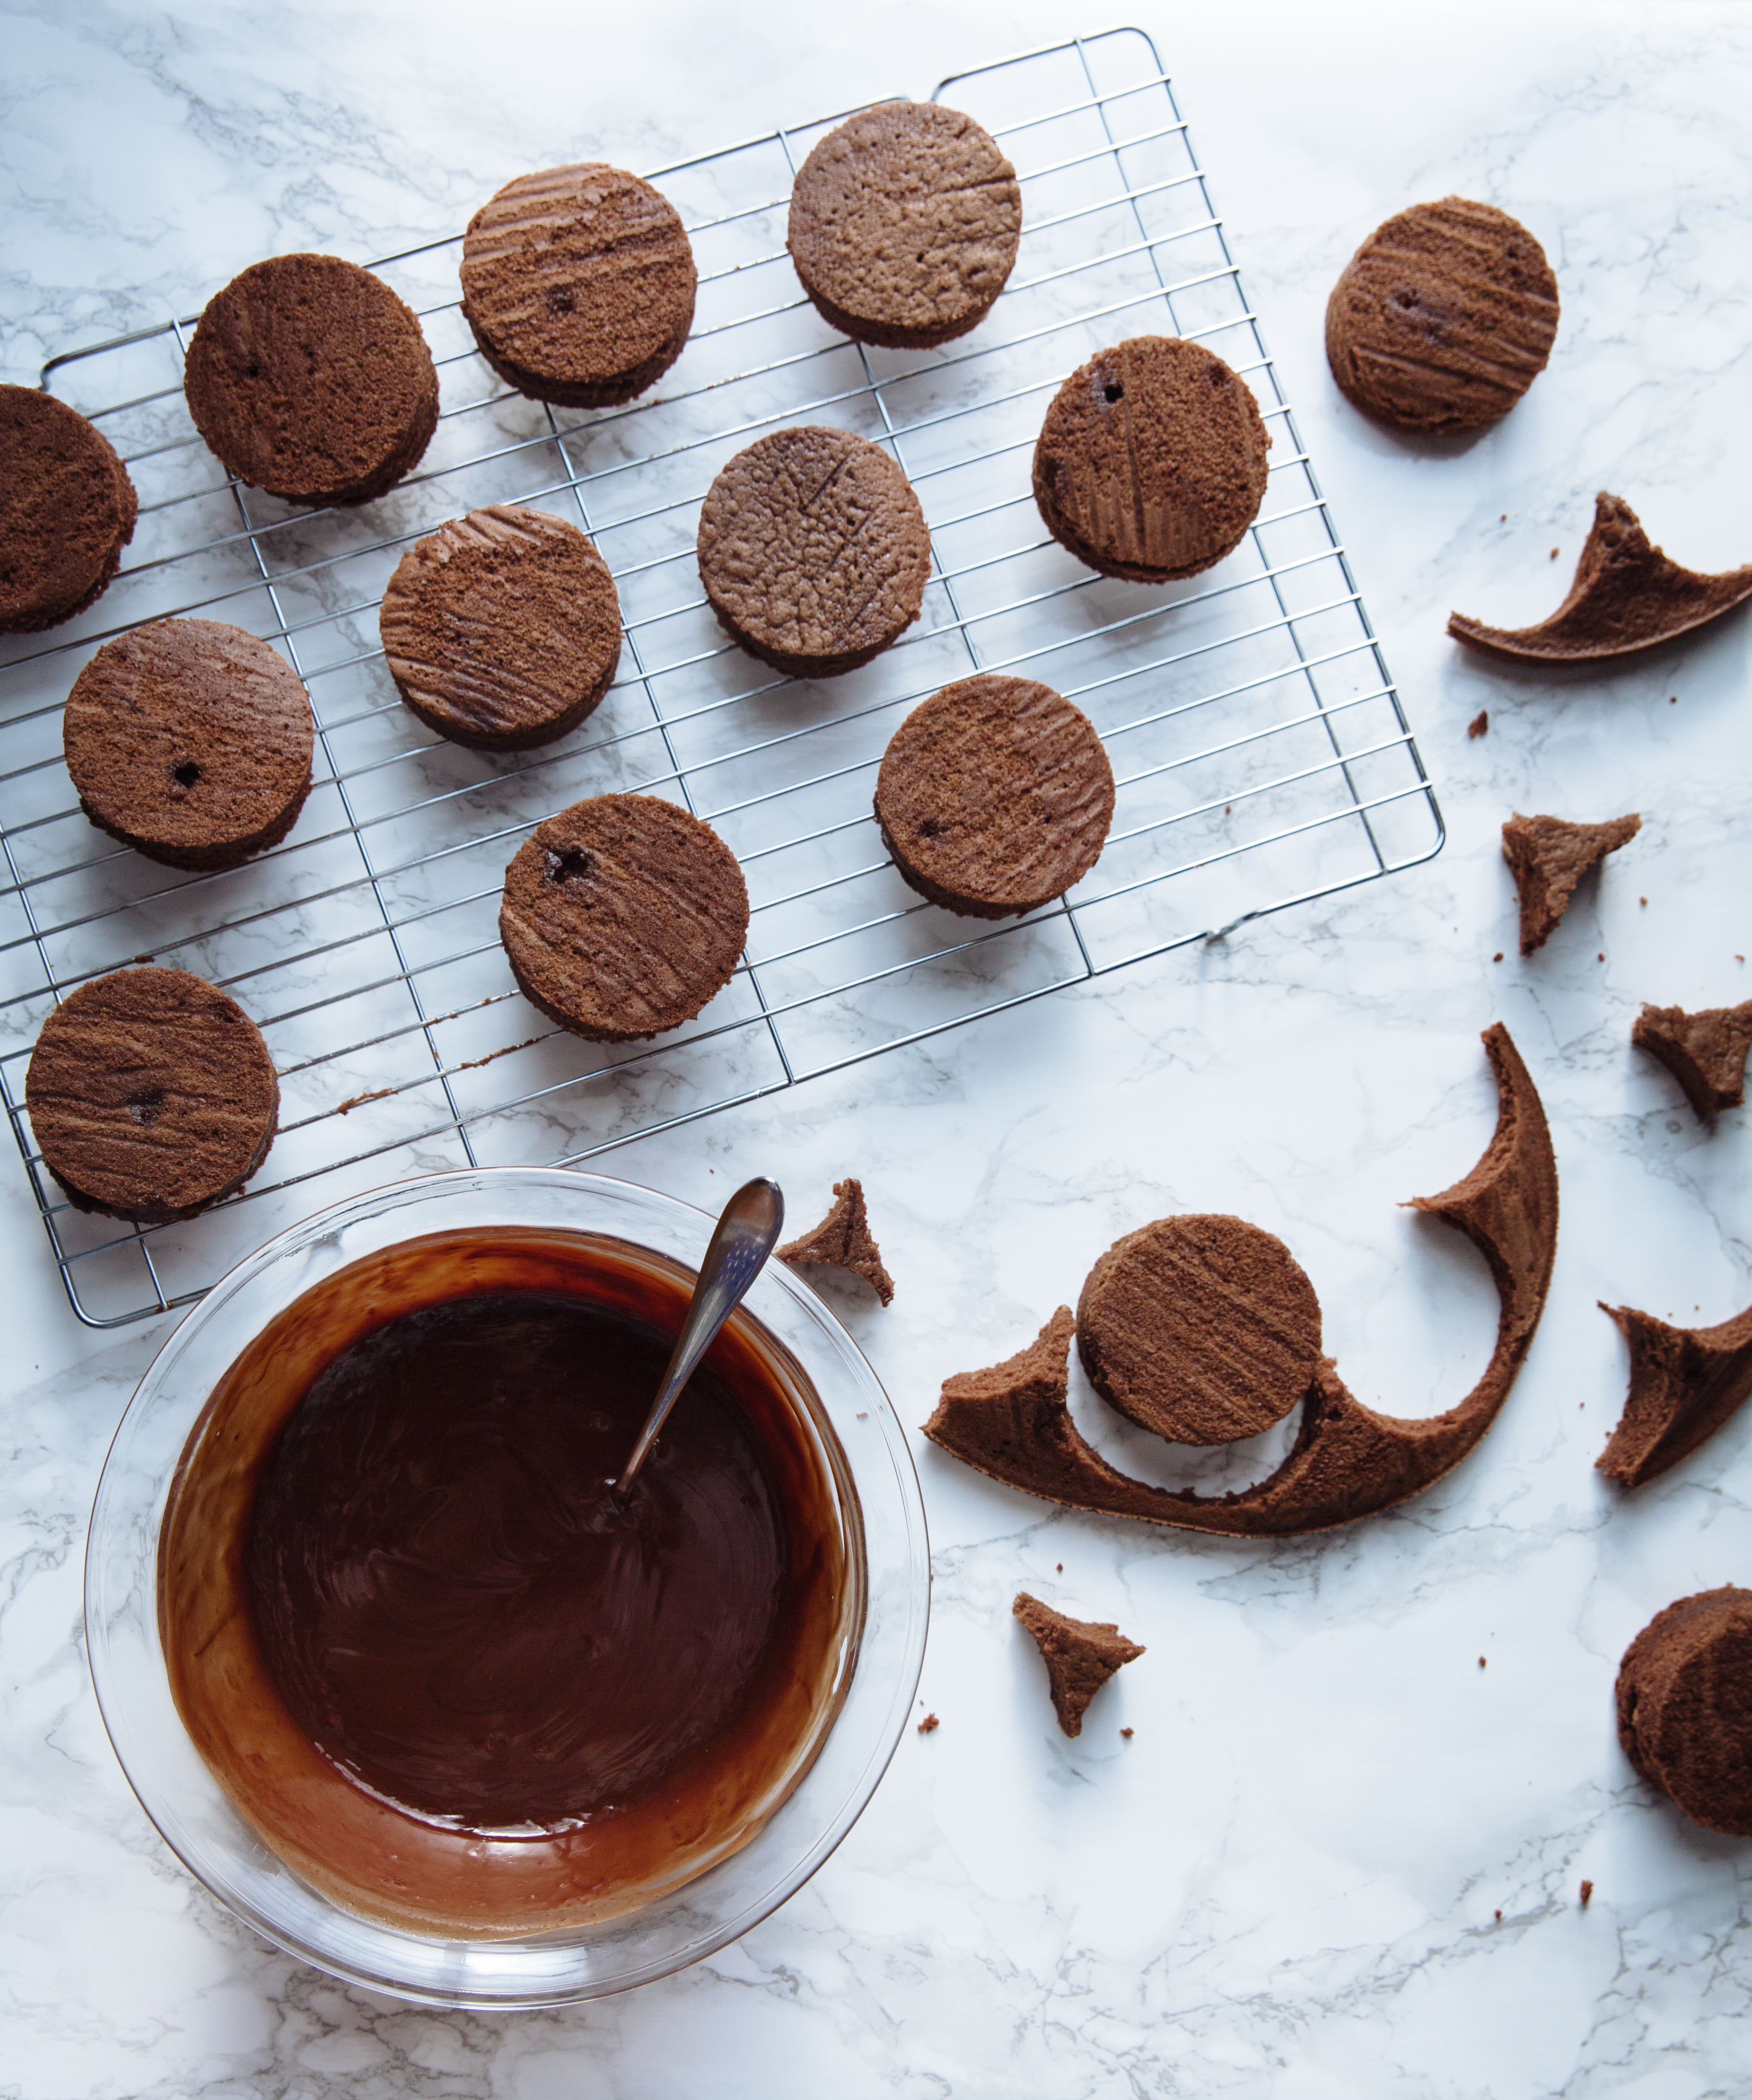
(1337,1858)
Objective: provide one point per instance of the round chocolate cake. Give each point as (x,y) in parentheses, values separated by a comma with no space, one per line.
(623,916)
(1203,1329)
(67,511)
(1151,461)
(152,1095)
(578,284)
(995,797)
(308,377)
(904,224)
(190,741)
(813,551)
(1684,1697)
(502,629)
(1443,318)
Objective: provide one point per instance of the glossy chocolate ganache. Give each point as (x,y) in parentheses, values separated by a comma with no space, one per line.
(445,1670)
(452,1606)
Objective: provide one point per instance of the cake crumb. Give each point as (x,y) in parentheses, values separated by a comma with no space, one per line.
(1061,1566)
(1642,900)
(1129,1733)
(1588,1891)
(1480,1663)
(1499,1917)
(1497,957)
(928,1724)
(1601,957)
(1554,553)
(1479,725)
(359,1100)
(1503,520)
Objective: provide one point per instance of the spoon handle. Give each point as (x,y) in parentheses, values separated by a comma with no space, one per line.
(747,1233)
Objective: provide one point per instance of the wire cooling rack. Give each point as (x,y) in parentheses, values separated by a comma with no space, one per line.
(1260,751)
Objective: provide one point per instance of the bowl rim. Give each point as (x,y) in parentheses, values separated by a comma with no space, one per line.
(854,1791)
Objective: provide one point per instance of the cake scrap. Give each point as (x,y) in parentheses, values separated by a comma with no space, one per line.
(1626,596)
(1685,1383)
(1548,856)
(1080,1655)
(1705,1051)
(1012,1422)
(843,1240)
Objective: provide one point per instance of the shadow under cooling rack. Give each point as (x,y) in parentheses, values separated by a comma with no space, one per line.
(1261,753)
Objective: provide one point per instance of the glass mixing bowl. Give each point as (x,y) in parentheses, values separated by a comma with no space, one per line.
(881,1507)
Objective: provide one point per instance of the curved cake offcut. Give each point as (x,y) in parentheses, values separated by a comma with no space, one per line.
(1685,1701)
(1548,856)
(1012,1422)
(844,1240)
(1626,596)
(1705,1051)
(1685,1383)
(1080,1655)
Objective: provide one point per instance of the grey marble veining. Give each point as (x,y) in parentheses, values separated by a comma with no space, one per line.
(1286,1883)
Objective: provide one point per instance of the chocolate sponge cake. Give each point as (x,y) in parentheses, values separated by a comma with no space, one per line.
(904,224)
(502,630)
(1705,1051)
(995,797)
(579,284)
(190,741)
(1686,1382)
(1627,596)
(1080,1655)
(813,551)
(1012,1421)
(1548,856)
(308,377)
(1443,318)
(844,1240)
(152,1096)
(66,510)
(1151,461)
(622,916)
(1204,1329)
(1684,1700)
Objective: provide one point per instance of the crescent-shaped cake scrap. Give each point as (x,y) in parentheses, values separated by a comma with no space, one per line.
(1685,1383)
(1012,1422)
(1626,596)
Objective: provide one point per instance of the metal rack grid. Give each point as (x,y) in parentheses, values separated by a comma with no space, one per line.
(1262,755)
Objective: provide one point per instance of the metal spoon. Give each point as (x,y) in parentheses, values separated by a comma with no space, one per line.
(747,1233)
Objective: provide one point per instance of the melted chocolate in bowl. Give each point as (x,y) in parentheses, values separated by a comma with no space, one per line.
(444,1674)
